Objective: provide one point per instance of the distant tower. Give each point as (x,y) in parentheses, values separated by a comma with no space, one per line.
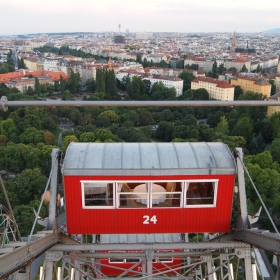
(119,28)
(234,42)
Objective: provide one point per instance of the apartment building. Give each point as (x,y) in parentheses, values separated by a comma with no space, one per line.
(20,80)
(252,82)
(238,63)
(88,72)
(273,109)
(22,84)
(219,90)
(205,65)
(31,63)
(168,81)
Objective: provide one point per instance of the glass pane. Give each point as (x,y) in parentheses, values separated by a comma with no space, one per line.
(132,195)
(200,193)
(98,194)
(166,194)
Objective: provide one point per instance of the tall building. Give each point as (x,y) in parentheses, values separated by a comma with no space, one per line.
(233,42)
(119,39)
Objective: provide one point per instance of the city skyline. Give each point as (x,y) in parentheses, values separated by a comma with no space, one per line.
(37,16)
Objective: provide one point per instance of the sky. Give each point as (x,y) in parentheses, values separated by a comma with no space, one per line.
(45,16)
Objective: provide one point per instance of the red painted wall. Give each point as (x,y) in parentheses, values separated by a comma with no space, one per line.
(171,220)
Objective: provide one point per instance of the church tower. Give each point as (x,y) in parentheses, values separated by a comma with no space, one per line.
(233,42)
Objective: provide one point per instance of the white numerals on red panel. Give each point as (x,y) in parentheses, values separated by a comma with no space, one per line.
(147,219)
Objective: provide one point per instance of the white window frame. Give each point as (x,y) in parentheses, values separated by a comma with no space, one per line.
(183,200)
(83,182)
(215,181)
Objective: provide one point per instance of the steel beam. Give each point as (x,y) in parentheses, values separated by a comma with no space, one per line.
(181,103)
(263,241)
(23,256)
(156,246)
(242,189)
(53,189)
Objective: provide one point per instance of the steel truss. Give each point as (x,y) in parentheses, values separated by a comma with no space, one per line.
(198,263)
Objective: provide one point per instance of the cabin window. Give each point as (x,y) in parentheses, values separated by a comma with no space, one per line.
(158,194)
(97,194)
(132,195)
(115,260)
(201,193)
(166,194)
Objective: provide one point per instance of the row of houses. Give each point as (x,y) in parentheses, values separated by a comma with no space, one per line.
(24,79)
(238,63)
(168,80)
(224,90)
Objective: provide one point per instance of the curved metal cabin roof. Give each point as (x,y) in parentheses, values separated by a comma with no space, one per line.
(130,159)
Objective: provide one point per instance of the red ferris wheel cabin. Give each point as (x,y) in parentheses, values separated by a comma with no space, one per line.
(114,188)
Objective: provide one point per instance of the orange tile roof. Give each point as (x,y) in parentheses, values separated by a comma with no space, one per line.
(241,60)
(5,78)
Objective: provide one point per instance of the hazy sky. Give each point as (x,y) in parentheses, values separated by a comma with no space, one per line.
(35,16)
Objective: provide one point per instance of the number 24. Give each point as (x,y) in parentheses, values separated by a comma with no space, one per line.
(147,219)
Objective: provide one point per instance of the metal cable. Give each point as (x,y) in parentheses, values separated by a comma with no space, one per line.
(258,194)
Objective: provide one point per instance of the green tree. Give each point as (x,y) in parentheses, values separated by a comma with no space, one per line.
(67,140)
(100,80)
(66,95)
(49,138)
(165,131)
(4,69)
(32,136)
(244,68)
(272,124)
(8,127)
(104,135)
(75,81)
(215,70)
(62,84)
(222,126)
(87,137)
(145,117)
(111,85)
(136,88)
(3,140)
(91,85)
(21,64)
(37,89)
(255,113)
(187,77)
(275,149)
(244,127)
(30,184)
(112,116)
(273,87)
(237,92)
(221,68)
(102,121)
